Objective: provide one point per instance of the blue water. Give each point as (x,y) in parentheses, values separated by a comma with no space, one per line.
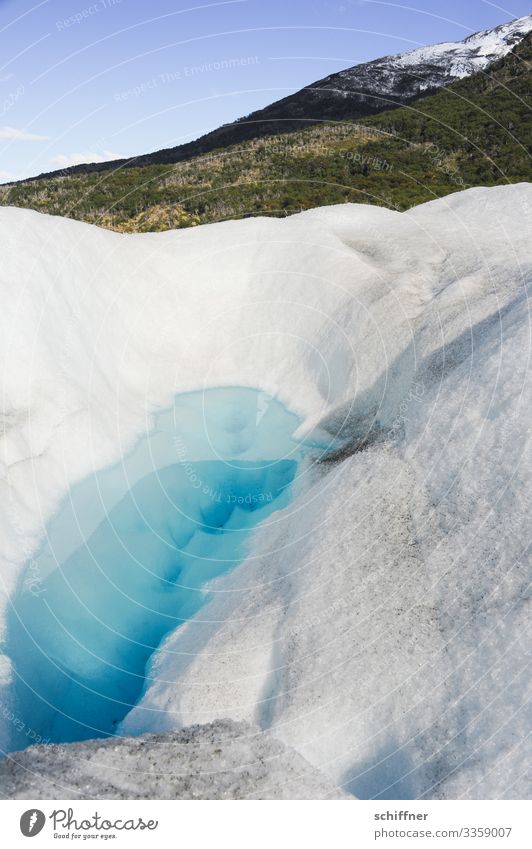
(128,554)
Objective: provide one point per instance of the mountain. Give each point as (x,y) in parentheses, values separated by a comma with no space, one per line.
(409,75)
(394,80)
(359,91)
(476,131)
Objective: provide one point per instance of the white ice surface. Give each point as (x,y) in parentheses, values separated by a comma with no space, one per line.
(222,760)
(382,633)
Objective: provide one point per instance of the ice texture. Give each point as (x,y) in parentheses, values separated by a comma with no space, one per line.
(130,552)
(222,760)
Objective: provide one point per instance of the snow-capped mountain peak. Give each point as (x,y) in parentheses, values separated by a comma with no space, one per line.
(350,94)
(405,76)
(477,51)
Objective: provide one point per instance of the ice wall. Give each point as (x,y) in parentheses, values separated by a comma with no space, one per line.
(130,552)
(381,632)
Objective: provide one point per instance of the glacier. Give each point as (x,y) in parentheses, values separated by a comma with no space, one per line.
(376,623)
(407,75)
(130,550)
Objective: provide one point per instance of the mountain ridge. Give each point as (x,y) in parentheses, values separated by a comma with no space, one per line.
(474,132)
(359,91)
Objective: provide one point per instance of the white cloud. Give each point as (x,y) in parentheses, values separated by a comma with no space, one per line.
(13,134)
(5,77)
(65,160)
(7,175)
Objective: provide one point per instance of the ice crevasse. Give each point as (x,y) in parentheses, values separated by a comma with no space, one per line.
(377,622)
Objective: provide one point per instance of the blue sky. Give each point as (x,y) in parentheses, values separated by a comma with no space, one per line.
(82,80)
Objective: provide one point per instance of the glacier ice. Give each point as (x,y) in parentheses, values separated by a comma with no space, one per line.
(378,622)
(128,555)
(221,760)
